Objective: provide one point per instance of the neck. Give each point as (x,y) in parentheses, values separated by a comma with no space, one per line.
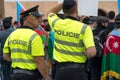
(73,15)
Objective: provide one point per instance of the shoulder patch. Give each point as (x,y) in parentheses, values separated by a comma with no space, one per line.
(51,15)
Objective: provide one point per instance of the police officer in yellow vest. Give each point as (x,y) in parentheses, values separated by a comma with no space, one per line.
(73,42)
(25,50)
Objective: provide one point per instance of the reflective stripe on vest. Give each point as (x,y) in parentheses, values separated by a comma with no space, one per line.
(53,23)
(80,44)
(22,60)
(19,50)
(31,39)
(13,50)
(69,53)
(82,32)
(83,29)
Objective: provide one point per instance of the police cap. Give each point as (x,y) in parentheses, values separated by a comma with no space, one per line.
(32,11)
(68,4)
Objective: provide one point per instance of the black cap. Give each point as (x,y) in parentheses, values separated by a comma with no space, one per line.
(92,20)
(68,4)
(34,11)
(7,20)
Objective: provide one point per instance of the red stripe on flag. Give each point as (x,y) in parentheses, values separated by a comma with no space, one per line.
(112,45)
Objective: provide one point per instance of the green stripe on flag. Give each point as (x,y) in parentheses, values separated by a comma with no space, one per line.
(110,66)
(43,38)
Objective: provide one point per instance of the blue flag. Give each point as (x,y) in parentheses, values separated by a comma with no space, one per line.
(118,6)
(20,9)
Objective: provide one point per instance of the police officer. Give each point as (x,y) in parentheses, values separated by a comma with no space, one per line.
(73,42)
(24,49)
(5,65)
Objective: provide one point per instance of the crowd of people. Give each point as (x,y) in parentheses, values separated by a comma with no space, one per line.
(61,47)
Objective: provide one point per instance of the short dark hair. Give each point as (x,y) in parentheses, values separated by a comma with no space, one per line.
(102,19)
(45,20)
(86,20)
(7,21)
(111,15)
(69,6)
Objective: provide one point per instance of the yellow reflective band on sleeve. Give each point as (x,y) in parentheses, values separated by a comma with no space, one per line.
(69,52)
(53,23)
(8,39)
(82,32)
(31,39)
(83,29)
(22,60)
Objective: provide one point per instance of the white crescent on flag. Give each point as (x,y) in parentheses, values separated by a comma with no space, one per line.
(107,42)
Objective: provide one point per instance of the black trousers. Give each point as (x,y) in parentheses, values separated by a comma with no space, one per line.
(70,71)
(5,69)
(21,76)
(24,76)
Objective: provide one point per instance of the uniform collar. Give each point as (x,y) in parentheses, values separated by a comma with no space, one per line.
(27,27)
(73,18)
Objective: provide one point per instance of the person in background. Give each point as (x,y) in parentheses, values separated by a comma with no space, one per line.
(85,20)
(41,30)
(44,23)
(102,24)
(111,25)
(11,27)
(72,44)
(1,22)
(25,50)
(15,25)
(92,22)
(111,57)
(92,62)
(5,65)
(96,62)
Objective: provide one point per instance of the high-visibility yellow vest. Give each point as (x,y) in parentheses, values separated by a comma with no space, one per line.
(70,39)
(24,44)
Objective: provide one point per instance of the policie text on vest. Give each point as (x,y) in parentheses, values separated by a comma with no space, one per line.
(24,43)
(70,34)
